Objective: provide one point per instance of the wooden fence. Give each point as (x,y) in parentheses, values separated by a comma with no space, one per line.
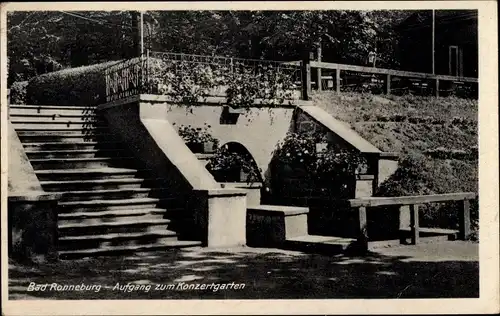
(388,76)
(362,204)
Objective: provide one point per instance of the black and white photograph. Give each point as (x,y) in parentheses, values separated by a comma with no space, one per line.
(257,152)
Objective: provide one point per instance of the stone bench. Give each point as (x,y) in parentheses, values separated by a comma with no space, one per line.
(272,225)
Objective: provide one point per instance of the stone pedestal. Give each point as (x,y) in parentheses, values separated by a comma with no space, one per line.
(33,226)
(272,225)
(219,217)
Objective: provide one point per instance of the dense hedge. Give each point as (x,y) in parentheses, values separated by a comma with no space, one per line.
(74,86)
(18,92)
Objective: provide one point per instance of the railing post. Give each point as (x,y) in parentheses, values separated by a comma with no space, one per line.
(306,79)
(415,229)
(362,229)
(388,84)
(464,217)
(147,72)
(337,80)
(437,88)
(319,69)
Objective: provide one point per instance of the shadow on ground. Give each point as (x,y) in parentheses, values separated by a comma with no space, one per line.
(266,273)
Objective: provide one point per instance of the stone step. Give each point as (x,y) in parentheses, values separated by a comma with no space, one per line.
(113,227)
(93,218)
(319,244)
(61,130)
(80,163)
(58,107)
(114,194)
(60,137)
(120,250)
(119,204)
(83,185)
(116,240)
(55,118)
(81,153)
(52,110)
(87,174)
(86,127)
(70,146)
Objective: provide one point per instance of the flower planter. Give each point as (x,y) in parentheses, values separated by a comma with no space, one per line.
(196,148)
(209,147)
(320,147)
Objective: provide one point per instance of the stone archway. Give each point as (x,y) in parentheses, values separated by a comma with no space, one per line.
(233,162)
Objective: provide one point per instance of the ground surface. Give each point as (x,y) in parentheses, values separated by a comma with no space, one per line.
(445,270)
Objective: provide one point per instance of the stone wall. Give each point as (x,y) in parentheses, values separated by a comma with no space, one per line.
(32,213)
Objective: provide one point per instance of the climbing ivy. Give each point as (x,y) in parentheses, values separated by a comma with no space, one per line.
(188,82)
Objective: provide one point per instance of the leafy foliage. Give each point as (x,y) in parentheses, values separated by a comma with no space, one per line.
(188,82)
(197,135)
(75,86)
(227,166)
(329,171)
(18,92)
(46,41)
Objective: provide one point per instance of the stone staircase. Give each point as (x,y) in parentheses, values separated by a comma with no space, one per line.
(108,204)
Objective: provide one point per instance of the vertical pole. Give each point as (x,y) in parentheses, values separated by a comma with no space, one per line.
(320,87)
(415,229)
(464,217)
(437,88)
(388,84)
(433,41)
(337,79)
(362,229)
(141,29)
(8,104)
(306,78)
(147,72)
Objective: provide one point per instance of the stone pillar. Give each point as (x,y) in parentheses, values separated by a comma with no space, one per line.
(33,231)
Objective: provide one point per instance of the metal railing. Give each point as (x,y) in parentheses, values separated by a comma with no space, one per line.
(157,72)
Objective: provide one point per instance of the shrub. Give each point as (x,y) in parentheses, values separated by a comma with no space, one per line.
(74,86)
(328,172)
(18,92)
(230,166)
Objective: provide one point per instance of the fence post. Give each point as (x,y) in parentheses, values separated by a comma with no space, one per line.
(415,229)
(337,79)
(319,81)
(306,78)
(362,229)
(437,87)
(147,71)
(464,218)
(388,84)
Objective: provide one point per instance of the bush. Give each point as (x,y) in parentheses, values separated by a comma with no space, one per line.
(74,86)
(18,92)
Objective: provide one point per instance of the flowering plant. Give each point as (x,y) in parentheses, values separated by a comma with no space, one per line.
(329,171)
(188,82)
(197,135)
(230,166)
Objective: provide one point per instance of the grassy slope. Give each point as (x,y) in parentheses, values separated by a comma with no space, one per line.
(410,125)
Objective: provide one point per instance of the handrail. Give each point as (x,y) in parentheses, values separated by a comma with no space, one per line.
(361,204)
(408,200)
(392,72)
